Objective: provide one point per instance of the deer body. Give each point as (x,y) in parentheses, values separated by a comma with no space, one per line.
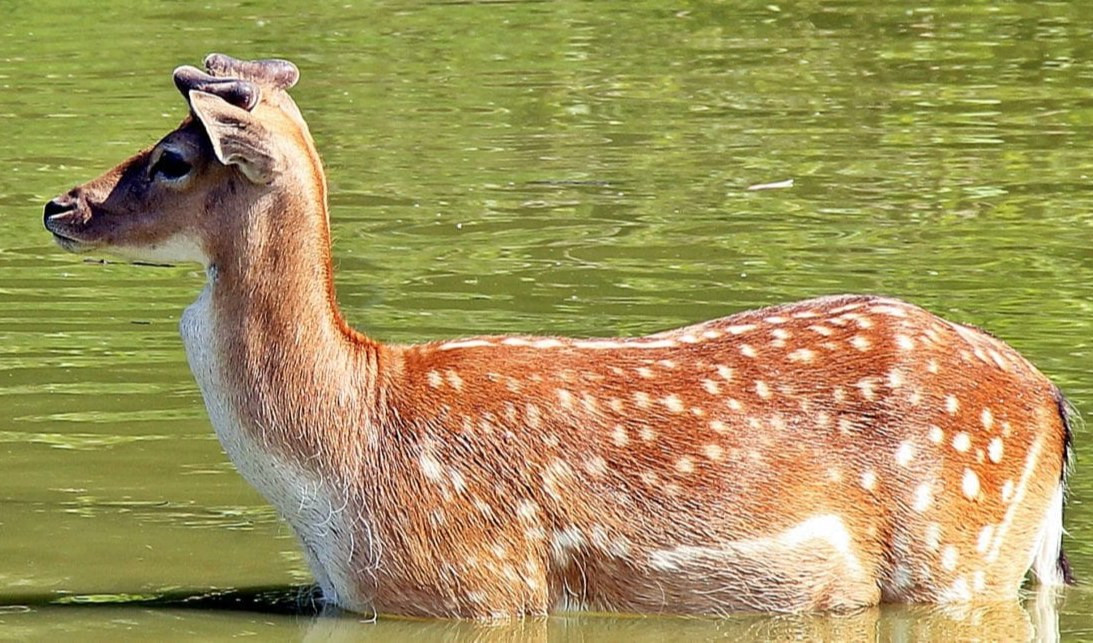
(827,454)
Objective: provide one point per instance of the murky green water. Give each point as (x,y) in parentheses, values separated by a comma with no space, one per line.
(561,167)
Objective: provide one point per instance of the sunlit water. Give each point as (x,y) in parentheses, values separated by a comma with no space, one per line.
(562,167)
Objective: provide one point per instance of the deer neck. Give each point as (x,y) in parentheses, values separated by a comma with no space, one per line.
(297,381)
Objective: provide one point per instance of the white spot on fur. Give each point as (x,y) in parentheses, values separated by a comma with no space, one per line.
(739,329)
(936,434)
(867,386)
(713,451)
(970,484)
(673,403)
(1007,491)
(459,483)
(724,371)
(905,453)
(641,399)
(984,539)
(435,380)
(924,497)
(527,509)
(534,416)
(905,343)
(430,467)
(747,350)
(712,387)
(979,581)
(987,418)
(994,451)
(957,592)
(454,380)
(464,343)
(869,480)
(949,557)
(564,542)
(595,466)
(952,405)
(846,307)
(802,355)
(685,465)
(761,389)
(860,342)
(961,442)
(885,309)
(932,536)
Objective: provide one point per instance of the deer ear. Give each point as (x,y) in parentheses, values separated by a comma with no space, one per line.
(236,136)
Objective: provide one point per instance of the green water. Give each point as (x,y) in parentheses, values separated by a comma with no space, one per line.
(564,167)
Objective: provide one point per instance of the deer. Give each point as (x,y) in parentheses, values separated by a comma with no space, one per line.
(827,454)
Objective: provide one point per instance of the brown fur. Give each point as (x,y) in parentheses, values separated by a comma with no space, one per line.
(707,469)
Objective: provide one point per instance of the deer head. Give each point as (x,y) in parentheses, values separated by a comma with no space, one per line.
(241,145)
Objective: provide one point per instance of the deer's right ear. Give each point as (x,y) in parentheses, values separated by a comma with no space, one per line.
(237,137)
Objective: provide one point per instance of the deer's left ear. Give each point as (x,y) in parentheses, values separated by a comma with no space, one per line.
(236,136)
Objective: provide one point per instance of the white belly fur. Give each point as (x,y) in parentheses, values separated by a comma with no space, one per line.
(318,516)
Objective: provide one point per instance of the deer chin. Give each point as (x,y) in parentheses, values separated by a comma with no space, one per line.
(72,245)
(178,248)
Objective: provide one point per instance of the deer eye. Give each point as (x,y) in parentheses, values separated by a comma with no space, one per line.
(171,166)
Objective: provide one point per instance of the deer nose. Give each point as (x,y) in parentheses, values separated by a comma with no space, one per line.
(60,205)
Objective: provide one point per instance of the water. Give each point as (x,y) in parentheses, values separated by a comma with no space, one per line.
(562,167)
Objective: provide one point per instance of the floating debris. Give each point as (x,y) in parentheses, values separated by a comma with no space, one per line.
(778,185)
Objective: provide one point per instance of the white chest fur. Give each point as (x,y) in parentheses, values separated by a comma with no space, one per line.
(316,512)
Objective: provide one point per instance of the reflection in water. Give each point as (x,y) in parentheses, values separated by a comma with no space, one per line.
(1037,618)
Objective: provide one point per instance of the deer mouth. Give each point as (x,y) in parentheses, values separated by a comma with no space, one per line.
(59,226)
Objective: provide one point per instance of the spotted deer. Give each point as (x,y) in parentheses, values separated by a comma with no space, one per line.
(827,454)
